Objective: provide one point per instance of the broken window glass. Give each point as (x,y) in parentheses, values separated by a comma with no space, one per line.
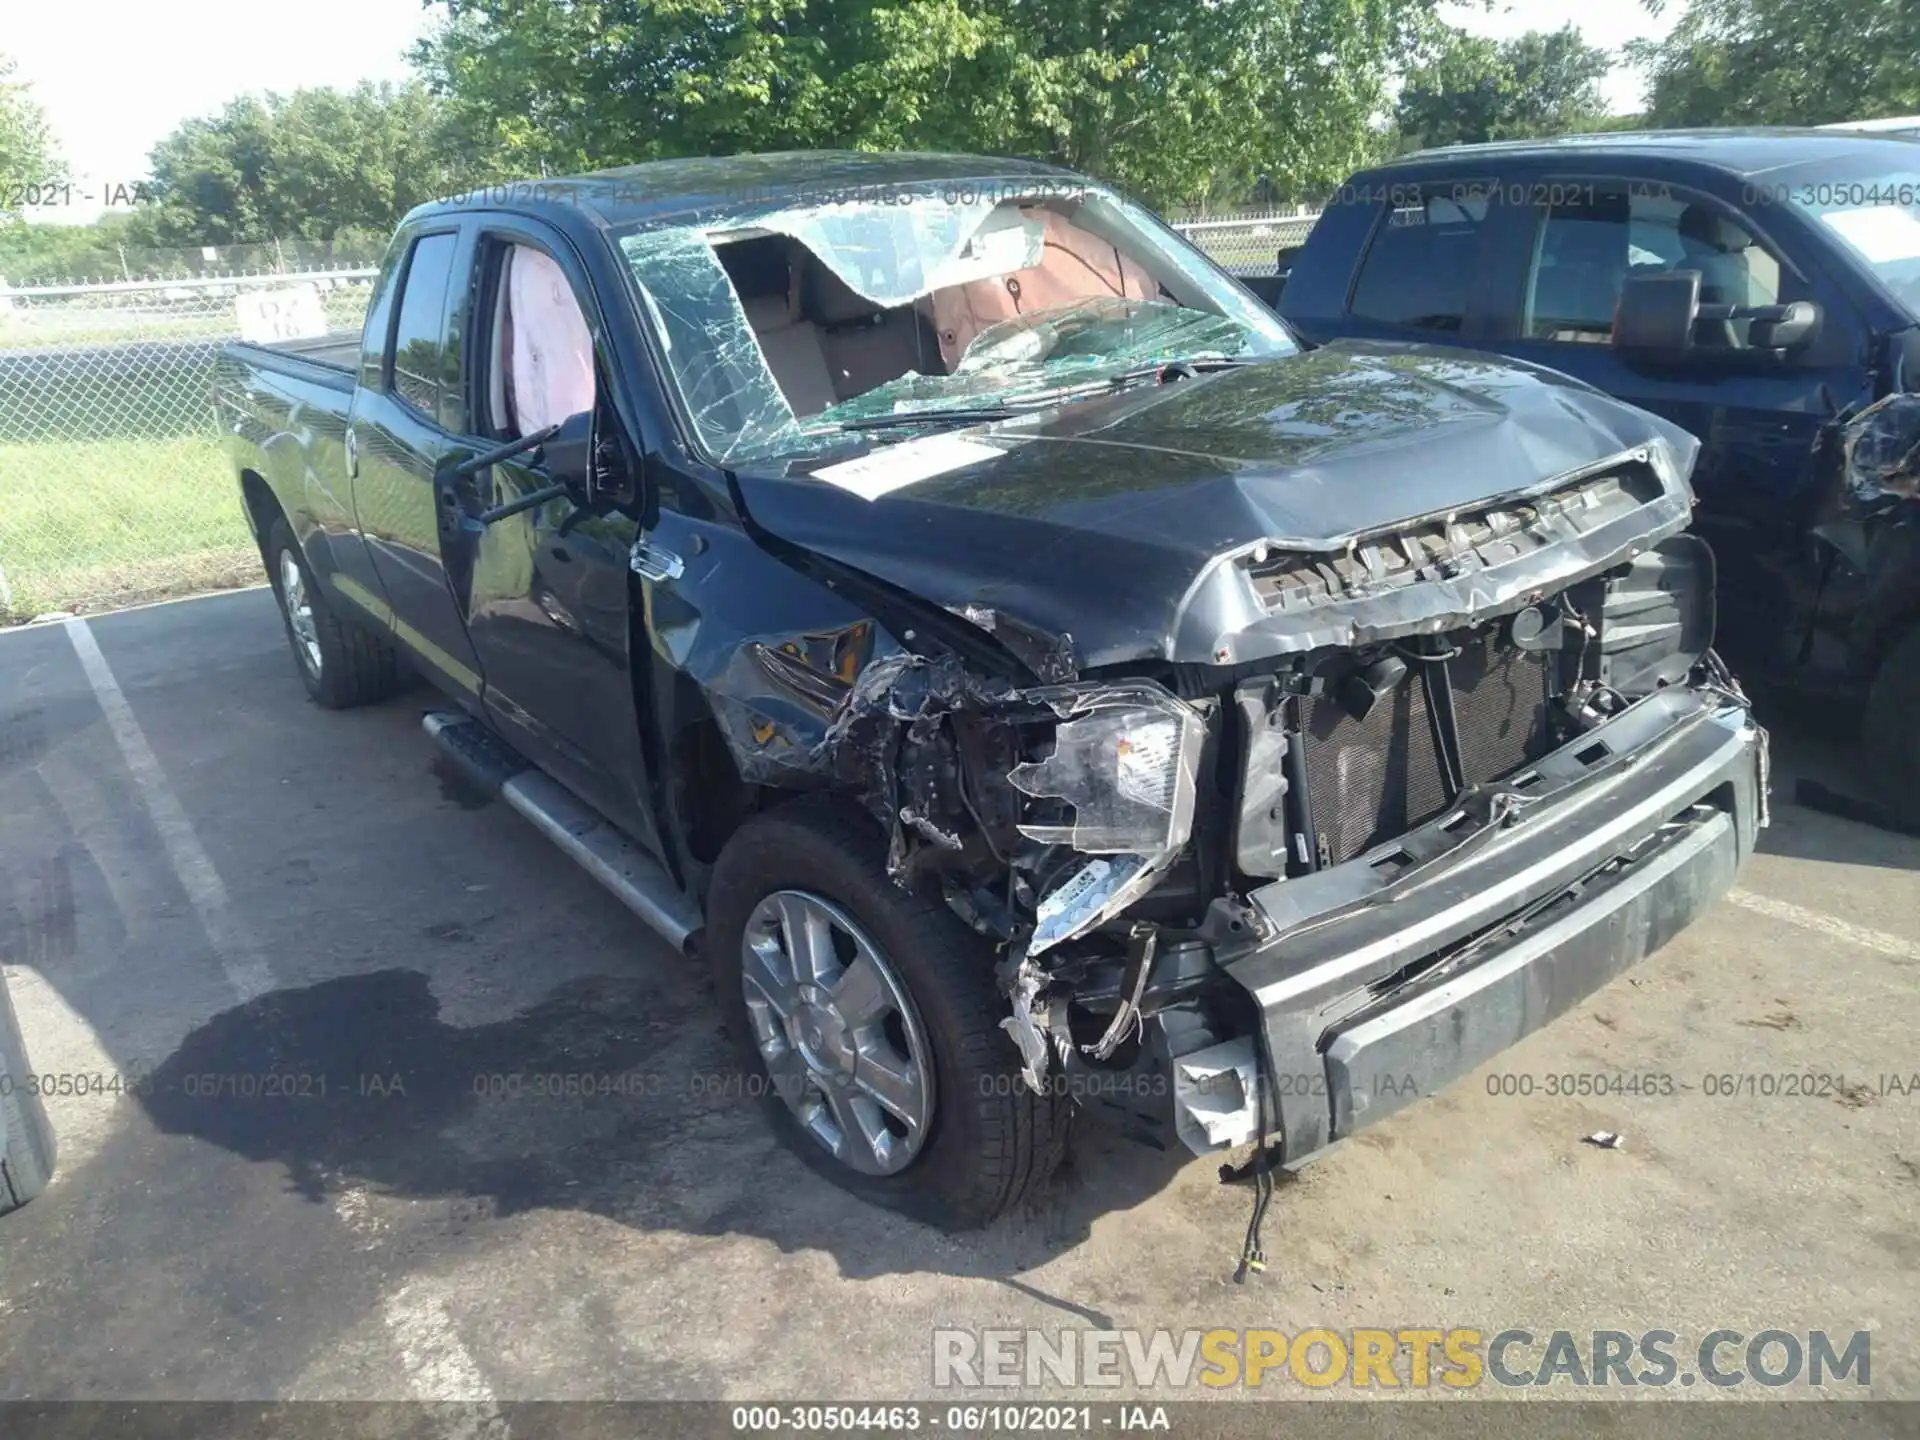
(899,250)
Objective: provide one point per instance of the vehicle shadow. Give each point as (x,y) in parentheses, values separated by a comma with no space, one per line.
(1822,789)
(613,1095)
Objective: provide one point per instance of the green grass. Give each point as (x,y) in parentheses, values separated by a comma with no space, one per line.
(91,524)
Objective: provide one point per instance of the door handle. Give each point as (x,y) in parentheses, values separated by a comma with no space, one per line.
(353,454)
(650,562)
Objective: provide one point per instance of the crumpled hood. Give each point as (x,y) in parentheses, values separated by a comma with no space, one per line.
(1099,520)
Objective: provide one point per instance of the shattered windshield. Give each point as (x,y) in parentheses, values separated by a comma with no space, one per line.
(784,326)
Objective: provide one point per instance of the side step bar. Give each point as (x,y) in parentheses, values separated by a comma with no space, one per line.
(632,874)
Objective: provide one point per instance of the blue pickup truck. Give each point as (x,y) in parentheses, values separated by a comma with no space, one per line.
(1760,288)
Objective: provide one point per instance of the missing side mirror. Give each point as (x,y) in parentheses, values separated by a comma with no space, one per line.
(568,456)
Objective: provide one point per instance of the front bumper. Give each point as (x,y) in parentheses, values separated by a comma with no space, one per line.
(1383,979)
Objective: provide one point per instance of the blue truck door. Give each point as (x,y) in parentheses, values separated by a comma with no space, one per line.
(1757,416)
(404,414)
(545,594)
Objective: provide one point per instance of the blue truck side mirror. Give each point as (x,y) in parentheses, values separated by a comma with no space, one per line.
(1783,327)
(1656,314)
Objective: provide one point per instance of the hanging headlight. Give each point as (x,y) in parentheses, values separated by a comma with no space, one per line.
(1125,757)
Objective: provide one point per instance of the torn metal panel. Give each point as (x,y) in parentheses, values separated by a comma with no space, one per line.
(1029,1021)
(1882,451)
(1435,574)
(1053,659)
(777,700)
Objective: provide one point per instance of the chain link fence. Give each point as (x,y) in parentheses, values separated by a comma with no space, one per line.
(1249,243)
(113,486)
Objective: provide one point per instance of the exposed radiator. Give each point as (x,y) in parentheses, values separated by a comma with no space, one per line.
(1499,705)
(1371,780)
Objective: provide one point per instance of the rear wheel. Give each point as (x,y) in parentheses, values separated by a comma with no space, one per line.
(341,662)
(26,1138)
(868,1018)
(1890,734)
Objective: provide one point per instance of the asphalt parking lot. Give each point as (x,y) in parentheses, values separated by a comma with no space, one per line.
(205,878)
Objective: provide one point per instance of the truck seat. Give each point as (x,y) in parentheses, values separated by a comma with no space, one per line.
(793,352)
(865,346)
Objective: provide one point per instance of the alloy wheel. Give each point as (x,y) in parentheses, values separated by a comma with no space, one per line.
(299,606)
(842,1041)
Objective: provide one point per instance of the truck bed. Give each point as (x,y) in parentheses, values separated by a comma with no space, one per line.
(327,359)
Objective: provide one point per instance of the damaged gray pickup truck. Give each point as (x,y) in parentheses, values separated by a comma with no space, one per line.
(1037,679)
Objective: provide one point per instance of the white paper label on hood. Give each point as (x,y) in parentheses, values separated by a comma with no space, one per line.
(892,466)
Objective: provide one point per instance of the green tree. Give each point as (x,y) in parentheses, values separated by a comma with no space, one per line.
(1783,62)
(1470,89)
(309,166)
(28,155)
(52,253)
(1177,100)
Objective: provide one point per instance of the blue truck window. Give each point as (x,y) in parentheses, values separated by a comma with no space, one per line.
(1585,250)
(420,350)
(1420,265)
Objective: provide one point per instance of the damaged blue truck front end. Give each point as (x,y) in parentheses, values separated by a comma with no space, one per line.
(1275,839)
(1038,674)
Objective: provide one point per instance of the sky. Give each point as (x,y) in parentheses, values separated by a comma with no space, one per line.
(114,88)
(1608,24)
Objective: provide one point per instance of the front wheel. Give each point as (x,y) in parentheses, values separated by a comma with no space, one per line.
(869,1019)
(341,662)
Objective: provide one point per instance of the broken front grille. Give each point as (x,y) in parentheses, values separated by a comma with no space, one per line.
(1371,780)
(1291,582)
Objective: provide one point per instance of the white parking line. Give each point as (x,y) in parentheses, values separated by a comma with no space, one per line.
(246,971)
(1825,924)
(440,1369)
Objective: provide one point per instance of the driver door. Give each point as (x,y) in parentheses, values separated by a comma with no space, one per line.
(545,592)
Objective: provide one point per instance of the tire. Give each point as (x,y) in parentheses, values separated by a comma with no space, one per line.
(1890,732)
(341,662)
(26,1139)
(987,1144)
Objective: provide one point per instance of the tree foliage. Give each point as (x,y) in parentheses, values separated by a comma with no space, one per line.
(1181,101)
(309,166)
(30,252)
(1792,62)
(28,155)
(1470,90)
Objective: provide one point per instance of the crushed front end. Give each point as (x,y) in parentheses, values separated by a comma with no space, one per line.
(1434,788)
